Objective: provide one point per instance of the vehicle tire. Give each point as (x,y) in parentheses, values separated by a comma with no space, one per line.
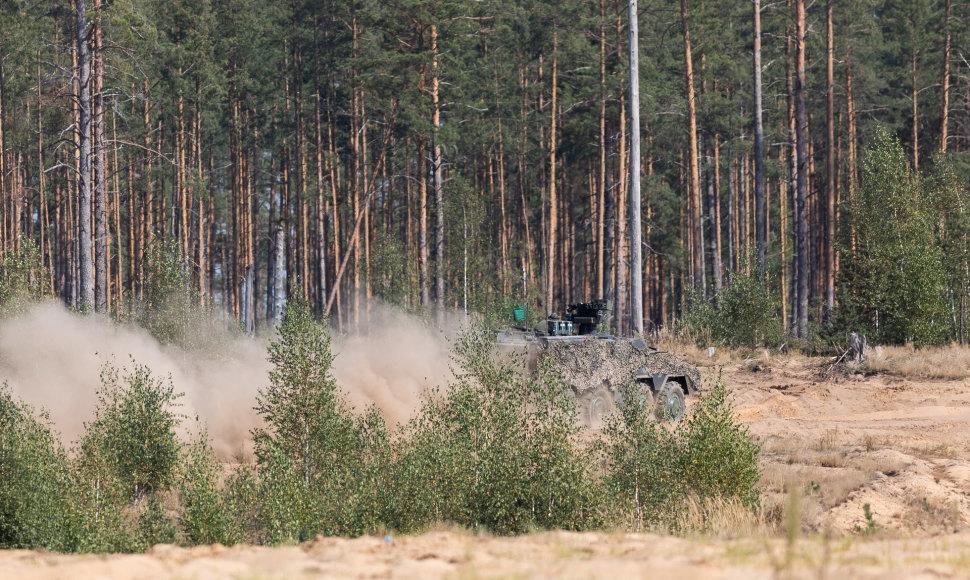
(597,406)
(639,395)
(671,404)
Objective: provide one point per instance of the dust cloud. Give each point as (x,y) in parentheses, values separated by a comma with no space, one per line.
(392,360)
(52,358)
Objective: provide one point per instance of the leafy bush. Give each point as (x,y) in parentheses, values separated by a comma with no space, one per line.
(653,469)
(310,453)
(743,314)
(133,432)
(36,508)
(23,278)
(203,515)
(719,456)
(641,462)
(493,451)
(892,282)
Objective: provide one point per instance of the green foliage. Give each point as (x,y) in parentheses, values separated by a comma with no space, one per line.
(23,277)
(744,314)
(871,526)
(947,182)
(892,282)
(171,308)
(133,436)
(241,501)
(493,451)
(393,276)
(154,525)
(203,514)
(641,461)
(309,454)
(36,507)
(653,468)
(720,457)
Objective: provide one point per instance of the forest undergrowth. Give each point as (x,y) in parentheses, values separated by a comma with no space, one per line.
(493,451)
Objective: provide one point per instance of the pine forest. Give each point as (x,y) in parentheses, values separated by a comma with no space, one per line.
(801,163)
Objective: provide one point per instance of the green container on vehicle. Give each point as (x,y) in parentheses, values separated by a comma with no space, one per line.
(518,313)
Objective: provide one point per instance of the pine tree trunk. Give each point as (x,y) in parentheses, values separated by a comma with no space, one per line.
(636,262)
(4,237)
(915,110)
(801,132)
(601,189)
(101,279)
(851,162)
(830,163)
(760,196)
(85,265)
(553,208)
(693,182)
(439,243)
(945,81)
(321,241)
(423,225)
(713,247)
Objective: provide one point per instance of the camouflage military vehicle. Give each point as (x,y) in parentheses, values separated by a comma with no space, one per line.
(601,368)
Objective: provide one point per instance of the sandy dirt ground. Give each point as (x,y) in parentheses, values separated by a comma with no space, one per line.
(882,462)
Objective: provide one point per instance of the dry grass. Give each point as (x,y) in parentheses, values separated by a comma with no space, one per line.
(943,362)
(685,346)
(719,518)
(933,515)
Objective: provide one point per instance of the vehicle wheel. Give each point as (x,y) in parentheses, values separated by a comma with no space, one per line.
(599,405)
(639,395)
(670,402)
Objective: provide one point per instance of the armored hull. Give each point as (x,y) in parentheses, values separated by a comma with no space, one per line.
(601,369)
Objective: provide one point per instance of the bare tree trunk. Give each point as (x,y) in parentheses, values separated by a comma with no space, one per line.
(320,218)
(553,216)
(713,210)
(3,165)
(601,190)
(636,261)
(279,260)
(101,280)
(693,183)
(761,221)
(439,243)
(801,132)
(945,81)
(85,265)
(915,109)
(423,227)
(850,113)
(830,183)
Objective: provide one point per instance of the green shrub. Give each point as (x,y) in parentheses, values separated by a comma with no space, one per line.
(719,457)
(652,469)
(641,457)
(133,433)
(154,525)
(23,278)
(493,451)
(36,507)
(311,454)
(892,279)
(743,314)
(203,514)
(241,493)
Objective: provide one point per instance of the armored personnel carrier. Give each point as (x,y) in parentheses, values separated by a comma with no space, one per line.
(600,369)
